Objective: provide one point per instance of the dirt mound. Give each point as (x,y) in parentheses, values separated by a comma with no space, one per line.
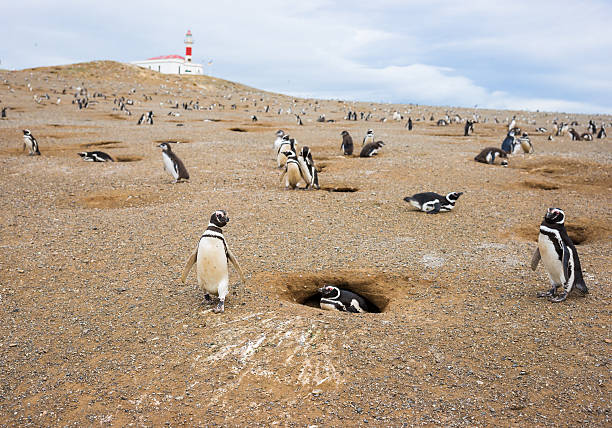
(580,230)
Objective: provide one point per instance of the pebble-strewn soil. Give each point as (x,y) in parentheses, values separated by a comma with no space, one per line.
(98,329)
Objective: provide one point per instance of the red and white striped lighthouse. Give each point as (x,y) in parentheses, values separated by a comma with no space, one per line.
(188,43)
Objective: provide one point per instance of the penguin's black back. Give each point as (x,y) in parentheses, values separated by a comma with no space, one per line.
(421,198)
(567,241)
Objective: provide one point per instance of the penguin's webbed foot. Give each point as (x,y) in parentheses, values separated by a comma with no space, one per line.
(560,298)
(548,293)
(220,307)
(207,299)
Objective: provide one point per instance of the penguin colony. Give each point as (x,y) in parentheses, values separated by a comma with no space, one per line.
(555,249)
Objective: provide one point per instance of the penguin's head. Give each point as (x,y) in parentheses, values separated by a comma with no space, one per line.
(26,132)
(453,196)
(379,144)
(555,216)
(289,153)
(165,147)
(370,131)
(286,137)
(511,133)
(343,133)
(329,292)
(219,218)
(280,133)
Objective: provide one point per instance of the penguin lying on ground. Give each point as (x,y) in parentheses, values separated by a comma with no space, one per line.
(433,203)
(211,258)
(173,164)
(487,155)
(337,299)
(371,149)
(96,156)
(559,257)
(30,142)
(347,144)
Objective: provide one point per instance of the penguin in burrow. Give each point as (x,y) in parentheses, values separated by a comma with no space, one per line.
(96,156)
(337,299)
(211,256)
(559,257)
(347,144)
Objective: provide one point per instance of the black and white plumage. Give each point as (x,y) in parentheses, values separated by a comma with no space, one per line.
(96,156)
(347,143)
(286,144)
(30,142)
(592,128)
(575,136)
(294,172)
(3,114)
(369,137)
(488,154)
(253,118)
(371,149)
(409,124)
(469,128)
(512,123)
(541,129)
(510,145)
(433,203)
(278,140)
(525,143)
(586,136)
(602,132)
(173,164)
(308,169)
(211,256)
(559,257)
(337,299)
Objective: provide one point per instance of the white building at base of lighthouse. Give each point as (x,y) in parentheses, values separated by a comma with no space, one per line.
(171,64)
(174,64)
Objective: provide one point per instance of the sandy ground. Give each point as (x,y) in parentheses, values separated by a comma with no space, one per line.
(98,329)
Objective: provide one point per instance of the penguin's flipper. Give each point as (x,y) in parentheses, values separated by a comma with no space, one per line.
(236,265)
(436,208)
(535,259)
(566,257)
(190,261)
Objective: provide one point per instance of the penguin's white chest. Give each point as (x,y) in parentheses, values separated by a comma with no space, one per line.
(212,270)
(169,165)
(415,203)
(293,174)
(552,262)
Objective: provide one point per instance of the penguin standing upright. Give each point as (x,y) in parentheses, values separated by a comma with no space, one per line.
(509,144)
(30,142)
(293,171)
(3,115)
(487,155)
(371,149)
(525,143)
(278,140)
(602,132)
(287,144)
(409,124)
(308,169)
(433,203)
(347,144)
(211,257)
(512,123)
(559,257)
(369,137)
(337,299)
(173,164)
(469,127)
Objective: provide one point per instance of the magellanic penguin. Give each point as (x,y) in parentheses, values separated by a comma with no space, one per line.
(30,142)
(337,299)
(293,172)
(96,156)
(347,144)
(525,143)
(433,203)
(602,132)
(287,144)
(173,164)
(278,141)
(469,128)
(487,155)
(211,258)
(559,257)
(509,145)
(371,149)
(369,137)
(308,168)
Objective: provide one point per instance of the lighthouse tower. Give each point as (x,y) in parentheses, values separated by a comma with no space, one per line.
(188,43)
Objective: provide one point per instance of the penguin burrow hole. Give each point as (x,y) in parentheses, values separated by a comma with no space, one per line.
(540,184)
(580,230)
(238,130)
(341,189)
(128,158)
(378,290)
(105,144)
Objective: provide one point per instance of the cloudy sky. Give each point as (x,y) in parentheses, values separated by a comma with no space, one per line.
(546,55)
